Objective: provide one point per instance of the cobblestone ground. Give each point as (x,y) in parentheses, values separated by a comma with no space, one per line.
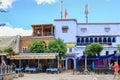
(64,76)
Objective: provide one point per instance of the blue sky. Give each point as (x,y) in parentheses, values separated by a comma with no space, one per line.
(24,13)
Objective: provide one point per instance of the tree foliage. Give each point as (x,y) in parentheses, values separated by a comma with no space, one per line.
(37,46)
(9,51)
(1,51)
(94,49)
(57,46)
(118,47)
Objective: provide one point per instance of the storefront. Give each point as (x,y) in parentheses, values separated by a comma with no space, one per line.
(34,59)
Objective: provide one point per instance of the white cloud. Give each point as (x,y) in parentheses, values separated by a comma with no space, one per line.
(10,31)
(6,3)
(45,1)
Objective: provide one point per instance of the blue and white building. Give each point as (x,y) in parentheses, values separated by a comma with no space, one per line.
(78,35)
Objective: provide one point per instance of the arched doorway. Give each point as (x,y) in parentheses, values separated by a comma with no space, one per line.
(91,40)
(70,64)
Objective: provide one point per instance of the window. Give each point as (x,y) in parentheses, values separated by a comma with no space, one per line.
(104,39)
(86,40)
(78,41)
(100,40)
(113,40)
(83,30)
(64,29)
(109,39)
(95,40)
(82,39)
(107,52)
(91,40)
(47,31)
(25,50)
(107,29)
(70,49)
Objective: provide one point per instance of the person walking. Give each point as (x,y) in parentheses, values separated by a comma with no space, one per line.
(116,69)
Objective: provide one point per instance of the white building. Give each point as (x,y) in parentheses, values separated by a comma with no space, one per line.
(78,35)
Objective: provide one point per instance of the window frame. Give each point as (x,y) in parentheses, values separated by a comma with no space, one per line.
(65,29)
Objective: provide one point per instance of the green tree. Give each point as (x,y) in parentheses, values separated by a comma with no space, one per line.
(118,47)
(9,51)
(57,46)
(37,46)
(93,49)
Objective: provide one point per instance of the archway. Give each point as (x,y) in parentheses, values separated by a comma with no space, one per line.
(70,63)
(78,41)
(104,40)
(96,40)
(91,40)
(100,40)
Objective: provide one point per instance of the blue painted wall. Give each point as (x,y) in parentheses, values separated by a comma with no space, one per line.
(86,30)
(98,28)
(70,36)
(92,29)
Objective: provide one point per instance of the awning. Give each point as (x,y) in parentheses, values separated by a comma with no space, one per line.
(106,56)
(97,57)
(117,54)
(88,58)
(34,56)
(3,54)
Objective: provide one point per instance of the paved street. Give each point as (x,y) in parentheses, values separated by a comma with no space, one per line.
(64,76)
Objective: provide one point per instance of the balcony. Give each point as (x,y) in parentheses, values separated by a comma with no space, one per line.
(87,43)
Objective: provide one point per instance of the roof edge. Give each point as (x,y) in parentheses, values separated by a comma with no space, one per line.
(41,24)
(72,19)
(98,23)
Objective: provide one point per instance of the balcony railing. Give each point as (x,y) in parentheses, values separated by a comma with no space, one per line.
(87,43)
(34,35)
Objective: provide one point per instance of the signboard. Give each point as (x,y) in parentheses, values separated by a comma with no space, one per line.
(70,44)
(33,57)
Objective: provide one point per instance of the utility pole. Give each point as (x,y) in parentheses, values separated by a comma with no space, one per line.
(86,12)
(61,8)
